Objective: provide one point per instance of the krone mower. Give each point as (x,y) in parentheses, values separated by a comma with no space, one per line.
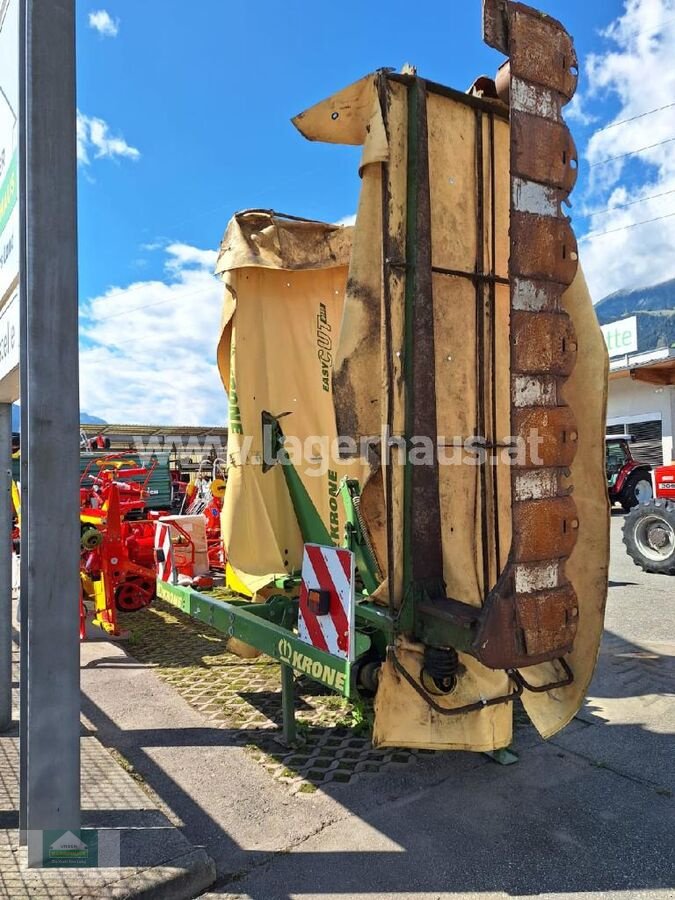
(416,503)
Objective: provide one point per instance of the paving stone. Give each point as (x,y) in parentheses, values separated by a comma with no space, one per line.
(245,696)
(157,860)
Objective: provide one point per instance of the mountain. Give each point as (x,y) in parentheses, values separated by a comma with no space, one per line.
(654,308)
(85,419)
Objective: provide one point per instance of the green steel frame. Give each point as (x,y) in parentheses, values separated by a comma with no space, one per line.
(263,626)
(269,627)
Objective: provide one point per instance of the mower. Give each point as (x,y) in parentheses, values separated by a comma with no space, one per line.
(390,526)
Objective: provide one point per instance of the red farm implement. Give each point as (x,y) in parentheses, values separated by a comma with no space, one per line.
(205,496)
(117,567)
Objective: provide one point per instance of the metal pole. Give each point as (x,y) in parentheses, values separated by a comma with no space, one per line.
(50,407)
(23,472)
(5,566)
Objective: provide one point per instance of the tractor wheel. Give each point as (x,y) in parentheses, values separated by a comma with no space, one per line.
(134,593)
(638,489)
(649,536)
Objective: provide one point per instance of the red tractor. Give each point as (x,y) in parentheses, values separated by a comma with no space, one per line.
(629,482)
(649,528)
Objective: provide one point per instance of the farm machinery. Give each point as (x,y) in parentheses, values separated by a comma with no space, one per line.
(649,527)
(629,482)
(648,497)
(123,541)
(204,496)
(416,504)
(117,570)
(130,504)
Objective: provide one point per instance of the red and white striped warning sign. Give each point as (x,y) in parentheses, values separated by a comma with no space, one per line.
(163,551)
(326,614)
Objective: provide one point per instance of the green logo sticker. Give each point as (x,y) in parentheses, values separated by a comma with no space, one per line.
(8,193)
(285,650)
(67,849)
(324,670)
(234,413)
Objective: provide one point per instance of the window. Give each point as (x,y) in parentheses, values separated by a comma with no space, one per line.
(647,434)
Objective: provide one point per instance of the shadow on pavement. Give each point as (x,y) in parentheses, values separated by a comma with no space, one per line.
(585,812)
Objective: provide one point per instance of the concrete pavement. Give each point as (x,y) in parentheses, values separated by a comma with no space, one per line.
(589,813)
(156,860)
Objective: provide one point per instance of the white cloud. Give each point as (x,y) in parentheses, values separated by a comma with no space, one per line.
(94,136)
(347,220)
(635,68)
(102,22)
(148,351)
(182,256)
(577,112)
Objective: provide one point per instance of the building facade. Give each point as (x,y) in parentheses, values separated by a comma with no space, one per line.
(641,402)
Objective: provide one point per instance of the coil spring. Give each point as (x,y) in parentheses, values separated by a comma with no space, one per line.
(441,667)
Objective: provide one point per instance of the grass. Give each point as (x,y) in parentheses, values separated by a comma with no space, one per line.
(307,788)
(359,717)
(122,761)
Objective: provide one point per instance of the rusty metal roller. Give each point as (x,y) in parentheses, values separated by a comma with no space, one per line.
(533,602)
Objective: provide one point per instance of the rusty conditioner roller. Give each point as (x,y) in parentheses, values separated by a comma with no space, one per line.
(533,597)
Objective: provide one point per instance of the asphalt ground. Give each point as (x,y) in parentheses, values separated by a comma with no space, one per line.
(640,607)
(589,813)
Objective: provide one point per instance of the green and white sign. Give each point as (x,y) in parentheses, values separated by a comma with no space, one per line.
(621,337)
(9,198)
(81,848)
(69,848)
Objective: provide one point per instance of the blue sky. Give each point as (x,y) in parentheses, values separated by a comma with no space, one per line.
(185,119)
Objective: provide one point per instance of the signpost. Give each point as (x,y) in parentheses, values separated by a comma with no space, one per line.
(9,146)
(39,363)
(50,426)
(9,323)
(9,349)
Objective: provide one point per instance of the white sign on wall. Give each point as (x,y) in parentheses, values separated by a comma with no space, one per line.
(9,350)
(9,200)
(621,337)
